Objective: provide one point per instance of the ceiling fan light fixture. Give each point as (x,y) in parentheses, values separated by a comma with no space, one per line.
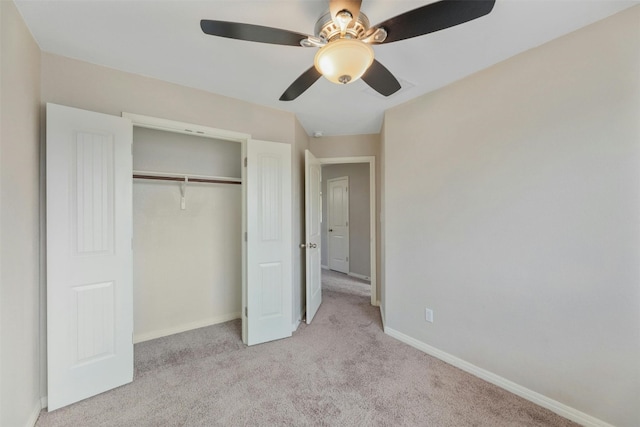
(343,61)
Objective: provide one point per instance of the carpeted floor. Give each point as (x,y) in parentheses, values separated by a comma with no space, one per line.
(339,282)
(341,370)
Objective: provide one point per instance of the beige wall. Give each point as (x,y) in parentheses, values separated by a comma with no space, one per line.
(512,206)
(19,220)
(91,87)
(345,146)
(359,216)
(350,146)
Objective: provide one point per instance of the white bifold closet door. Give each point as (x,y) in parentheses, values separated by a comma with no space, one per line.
(268,300)
(89,255)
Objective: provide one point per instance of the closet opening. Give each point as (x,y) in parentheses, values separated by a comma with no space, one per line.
(187,228)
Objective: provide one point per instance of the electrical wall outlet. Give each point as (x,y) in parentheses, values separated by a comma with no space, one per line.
(428,315)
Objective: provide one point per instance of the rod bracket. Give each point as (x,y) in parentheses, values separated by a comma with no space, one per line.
(183,193)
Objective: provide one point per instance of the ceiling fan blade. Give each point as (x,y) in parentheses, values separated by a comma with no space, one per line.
(353,6)
(434,17)
(380,79)
(252,33)
(301,84)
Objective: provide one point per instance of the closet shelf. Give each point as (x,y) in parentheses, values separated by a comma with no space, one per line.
(185,177)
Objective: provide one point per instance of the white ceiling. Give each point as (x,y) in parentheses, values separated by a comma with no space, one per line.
(162,39)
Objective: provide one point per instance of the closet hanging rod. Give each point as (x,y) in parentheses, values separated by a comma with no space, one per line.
(182,179)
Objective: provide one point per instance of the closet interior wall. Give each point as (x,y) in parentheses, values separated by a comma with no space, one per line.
(186,253)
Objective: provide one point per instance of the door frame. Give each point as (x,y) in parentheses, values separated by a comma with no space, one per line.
(210,132)
(371,160)
(329,206)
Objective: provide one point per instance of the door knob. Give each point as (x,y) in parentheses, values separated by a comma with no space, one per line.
(331,229)
(302,246)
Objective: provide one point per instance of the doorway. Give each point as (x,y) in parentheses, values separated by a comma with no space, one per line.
(354,248)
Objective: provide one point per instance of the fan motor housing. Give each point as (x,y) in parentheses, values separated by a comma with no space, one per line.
(328,30)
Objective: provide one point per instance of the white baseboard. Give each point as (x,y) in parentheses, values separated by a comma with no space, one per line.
(360,276)
(35,413)
(44,402)
(324,267)
(535,397)
(185,327)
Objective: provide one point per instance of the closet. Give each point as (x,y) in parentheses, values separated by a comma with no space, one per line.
(184,227)
(187,228)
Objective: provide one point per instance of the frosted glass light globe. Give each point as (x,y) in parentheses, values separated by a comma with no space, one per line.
(344,60)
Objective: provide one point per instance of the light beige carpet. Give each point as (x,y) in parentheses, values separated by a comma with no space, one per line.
(341,370)
(339,282)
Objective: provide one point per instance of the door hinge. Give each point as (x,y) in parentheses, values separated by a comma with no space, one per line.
(245,236)
(347,224)
(245,162)
(246,312)
(347,259)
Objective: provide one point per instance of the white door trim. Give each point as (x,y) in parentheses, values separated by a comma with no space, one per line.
(371,160)
(185,128)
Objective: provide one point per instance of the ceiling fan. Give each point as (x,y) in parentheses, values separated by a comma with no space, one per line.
(345,37)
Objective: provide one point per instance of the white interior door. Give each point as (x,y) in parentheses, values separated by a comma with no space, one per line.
(313,209)
(268,289)
(89,255)
(338,224)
